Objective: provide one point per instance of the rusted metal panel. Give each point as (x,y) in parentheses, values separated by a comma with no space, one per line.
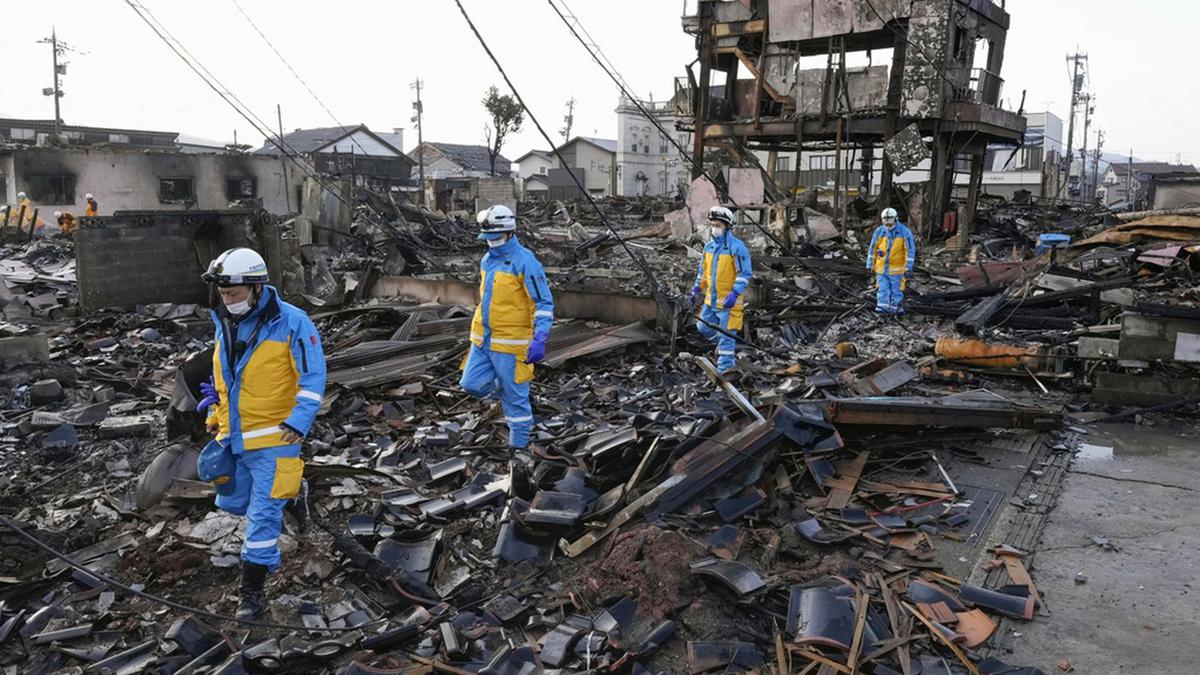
(731,11)
(917,412)
(867,13)
(789,20)
(832,17)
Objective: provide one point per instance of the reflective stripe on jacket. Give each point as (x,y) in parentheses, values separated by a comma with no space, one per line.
(892,251)
(514,300)
(278,379)
(725,268)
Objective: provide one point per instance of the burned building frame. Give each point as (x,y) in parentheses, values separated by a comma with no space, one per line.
(944,78)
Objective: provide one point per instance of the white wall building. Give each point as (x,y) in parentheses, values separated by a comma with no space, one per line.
(647,163)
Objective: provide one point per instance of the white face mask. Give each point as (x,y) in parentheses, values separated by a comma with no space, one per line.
(716,231)
(497,243)
(889,224)
(238,308)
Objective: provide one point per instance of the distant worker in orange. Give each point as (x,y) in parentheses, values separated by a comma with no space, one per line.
(67,222)
(93,209)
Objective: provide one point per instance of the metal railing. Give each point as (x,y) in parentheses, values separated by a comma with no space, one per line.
(976,85)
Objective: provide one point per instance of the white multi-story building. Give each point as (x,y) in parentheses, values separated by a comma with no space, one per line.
(647,162)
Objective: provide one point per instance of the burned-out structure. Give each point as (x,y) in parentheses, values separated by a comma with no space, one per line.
(939,96)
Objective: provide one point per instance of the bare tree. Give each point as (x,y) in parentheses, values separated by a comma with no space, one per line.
(506,117)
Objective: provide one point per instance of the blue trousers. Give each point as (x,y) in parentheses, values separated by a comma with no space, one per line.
(726,356)
(889,293)
(264,480)
(488,372)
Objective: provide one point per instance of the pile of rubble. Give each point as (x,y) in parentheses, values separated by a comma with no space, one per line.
(809,515)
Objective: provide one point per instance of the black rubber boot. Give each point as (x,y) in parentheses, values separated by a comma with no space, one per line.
(253,603)
(298,507)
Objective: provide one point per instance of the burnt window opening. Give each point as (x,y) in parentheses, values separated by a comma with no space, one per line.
(176,190)
(52,189)
(240,188)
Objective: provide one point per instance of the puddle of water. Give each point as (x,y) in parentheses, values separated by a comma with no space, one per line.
(1114,441)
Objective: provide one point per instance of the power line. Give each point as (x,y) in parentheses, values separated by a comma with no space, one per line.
(696,162)
(299,79)
(658,293)
(216,85)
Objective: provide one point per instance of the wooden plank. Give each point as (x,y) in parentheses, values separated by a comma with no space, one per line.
(839,497)
(937,634)
(626,514)
(861,600)
(720,30)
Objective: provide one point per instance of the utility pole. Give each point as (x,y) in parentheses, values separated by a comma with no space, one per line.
(1096,162)
(420,108)
(56,48)
(1076,87)
(1089,107)
(287,187)
(569,118)
(1129,196)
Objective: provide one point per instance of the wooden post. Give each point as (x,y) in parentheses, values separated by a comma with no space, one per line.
(700,104)
(973,190)
(32,224)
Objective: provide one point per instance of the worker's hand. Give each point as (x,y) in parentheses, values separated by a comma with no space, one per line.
(730,300)
(908,275)
(695,294)
(537,348)
(290,436)
(209,391)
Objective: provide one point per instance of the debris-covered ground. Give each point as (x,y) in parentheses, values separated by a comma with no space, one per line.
(866,494)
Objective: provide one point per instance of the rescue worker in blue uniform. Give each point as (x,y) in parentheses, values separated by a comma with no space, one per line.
(268,381)
(891,255)
(721,282)
(511,324)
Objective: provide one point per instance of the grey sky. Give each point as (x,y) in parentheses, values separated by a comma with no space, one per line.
(359,57)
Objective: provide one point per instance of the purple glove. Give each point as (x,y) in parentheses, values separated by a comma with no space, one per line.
(730,300)
(537,348)
(695,293)
(209,390)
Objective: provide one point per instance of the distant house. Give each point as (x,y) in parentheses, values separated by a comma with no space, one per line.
(532,170)
(1129,184)
(451,160)
(593,161)
(351,152)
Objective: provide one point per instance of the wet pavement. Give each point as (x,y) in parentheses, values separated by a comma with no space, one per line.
(1117,564)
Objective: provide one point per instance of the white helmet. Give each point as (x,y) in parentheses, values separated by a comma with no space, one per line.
(58,214)
(888,214)
(89,196)
(722,214)
(237,267)
(496,221)
(20,196)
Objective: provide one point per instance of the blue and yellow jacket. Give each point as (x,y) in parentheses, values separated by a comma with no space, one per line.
(278,379)
(725,268)
(514,300)
(892,251)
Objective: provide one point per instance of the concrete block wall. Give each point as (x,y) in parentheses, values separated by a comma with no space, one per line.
(150,257)
(493,191)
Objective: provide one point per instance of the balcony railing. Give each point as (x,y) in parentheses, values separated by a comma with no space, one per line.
(976,85)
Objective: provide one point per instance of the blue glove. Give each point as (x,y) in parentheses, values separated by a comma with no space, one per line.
(537,348)
(695,293)
(209,390)
(908,275)
(730,300)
